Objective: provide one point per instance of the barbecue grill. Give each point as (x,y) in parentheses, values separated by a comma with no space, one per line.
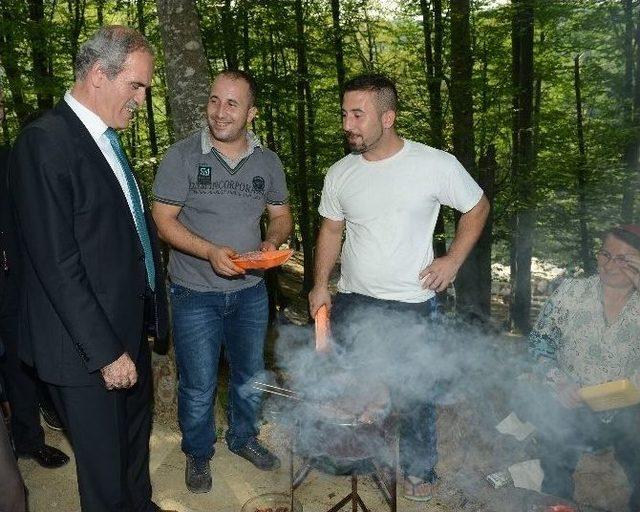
(339,438)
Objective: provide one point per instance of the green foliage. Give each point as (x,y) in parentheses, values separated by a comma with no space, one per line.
(377,37)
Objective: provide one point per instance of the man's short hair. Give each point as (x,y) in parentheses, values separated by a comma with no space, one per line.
(109,47)
(238,74)
(385,89)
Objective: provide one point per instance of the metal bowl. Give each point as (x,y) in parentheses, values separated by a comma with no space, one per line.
(275,501)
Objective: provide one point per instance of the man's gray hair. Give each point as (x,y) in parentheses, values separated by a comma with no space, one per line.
(109,47)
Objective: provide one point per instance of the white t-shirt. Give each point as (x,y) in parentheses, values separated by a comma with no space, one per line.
(390,208)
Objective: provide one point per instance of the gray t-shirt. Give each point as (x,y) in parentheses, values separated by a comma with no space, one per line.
(219,203)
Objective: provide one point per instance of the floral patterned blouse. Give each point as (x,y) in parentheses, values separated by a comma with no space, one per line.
(572,334)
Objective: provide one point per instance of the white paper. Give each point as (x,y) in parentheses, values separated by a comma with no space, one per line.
(513,426)
(527,474)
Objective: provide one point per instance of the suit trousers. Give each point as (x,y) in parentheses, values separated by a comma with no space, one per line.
(21,382)
(109,432)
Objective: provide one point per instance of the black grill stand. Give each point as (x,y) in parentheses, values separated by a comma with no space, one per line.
(383,476)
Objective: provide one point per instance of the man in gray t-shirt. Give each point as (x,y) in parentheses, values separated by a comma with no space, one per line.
(210,193)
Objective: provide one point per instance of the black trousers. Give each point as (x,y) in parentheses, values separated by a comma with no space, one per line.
(21,384)
(109,432)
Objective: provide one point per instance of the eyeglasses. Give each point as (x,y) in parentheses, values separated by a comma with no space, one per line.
(619,259)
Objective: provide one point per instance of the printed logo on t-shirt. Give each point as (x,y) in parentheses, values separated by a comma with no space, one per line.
(204,175)
(258,183)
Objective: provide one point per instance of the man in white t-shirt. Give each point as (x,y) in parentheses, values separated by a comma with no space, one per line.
(387,194)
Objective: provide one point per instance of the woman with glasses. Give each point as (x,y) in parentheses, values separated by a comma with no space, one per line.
(589,333)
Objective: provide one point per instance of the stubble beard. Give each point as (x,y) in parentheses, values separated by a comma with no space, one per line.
(363,146)
(223,136)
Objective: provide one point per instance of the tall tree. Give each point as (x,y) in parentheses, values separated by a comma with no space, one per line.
(586,256)
(472,299)
(631,111)
(301,150)
(338,49)
(185,64)
(76,10)
(432,27)
(522,163)
(151,120)
(9,58)
(42,73)
(229,35)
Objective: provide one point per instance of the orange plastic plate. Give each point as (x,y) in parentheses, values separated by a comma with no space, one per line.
(262,259)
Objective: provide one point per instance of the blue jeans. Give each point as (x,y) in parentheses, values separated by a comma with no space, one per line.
(203,322)
(416,419)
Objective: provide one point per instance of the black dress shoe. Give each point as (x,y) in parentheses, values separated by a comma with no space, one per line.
(47,456)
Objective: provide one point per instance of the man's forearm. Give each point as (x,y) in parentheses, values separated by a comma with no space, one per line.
(469,230)
(279,230)
(326,254)
(180,238)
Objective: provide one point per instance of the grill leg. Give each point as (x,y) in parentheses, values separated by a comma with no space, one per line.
(300,475)
(354,493)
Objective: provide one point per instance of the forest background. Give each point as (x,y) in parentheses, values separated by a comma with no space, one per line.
(539,99)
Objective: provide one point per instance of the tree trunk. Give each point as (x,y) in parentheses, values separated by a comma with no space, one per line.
(340,69)
(433,66)
(588,262)
(9,60)
(76,14)
(185,64)
(487,170)
(229,36)
(100,12)
(42,73)
(151,121)
(473,301)
(632,149)
(301,151)
(523,165)
(246,46)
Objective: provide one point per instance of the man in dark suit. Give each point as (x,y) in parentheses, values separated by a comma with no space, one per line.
(93,281)
(21,383)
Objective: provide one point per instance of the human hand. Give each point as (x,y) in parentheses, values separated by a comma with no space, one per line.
(120,374)
(566,391)
(318,296)
(631,269)
(267,245)
(440,274)
(220,259)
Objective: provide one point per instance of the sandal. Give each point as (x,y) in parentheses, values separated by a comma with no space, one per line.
(417,489)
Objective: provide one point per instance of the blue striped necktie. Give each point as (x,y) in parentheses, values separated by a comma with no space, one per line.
(138,214)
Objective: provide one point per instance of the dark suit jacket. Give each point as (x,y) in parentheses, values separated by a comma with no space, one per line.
(83,293)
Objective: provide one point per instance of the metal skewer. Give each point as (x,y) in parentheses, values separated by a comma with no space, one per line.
(275,390)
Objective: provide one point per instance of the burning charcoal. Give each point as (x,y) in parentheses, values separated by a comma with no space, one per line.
(499,479)
(282,509)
